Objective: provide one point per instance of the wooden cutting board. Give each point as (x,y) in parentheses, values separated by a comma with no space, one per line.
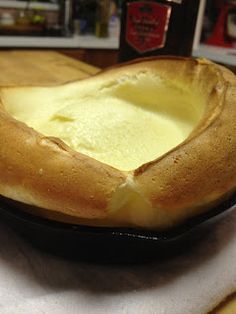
(51,68)
(40,68)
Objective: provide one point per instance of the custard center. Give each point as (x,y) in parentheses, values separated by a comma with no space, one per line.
(123,122)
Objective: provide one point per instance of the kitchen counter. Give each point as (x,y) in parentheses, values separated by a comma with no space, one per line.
(51,68)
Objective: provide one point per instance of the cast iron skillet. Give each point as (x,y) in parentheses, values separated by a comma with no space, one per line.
(102,244)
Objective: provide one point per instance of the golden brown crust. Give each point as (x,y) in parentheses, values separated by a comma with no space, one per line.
(202,170)
(45,172)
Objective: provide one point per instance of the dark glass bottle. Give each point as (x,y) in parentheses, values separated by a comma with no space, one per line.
(102,20)
(157,27)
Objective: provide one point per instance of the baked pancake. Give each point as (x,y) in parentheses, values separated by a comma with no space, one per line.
(147,144)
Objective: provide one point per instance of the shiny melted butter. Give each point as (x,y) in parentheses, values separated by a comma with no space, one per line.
(124,122)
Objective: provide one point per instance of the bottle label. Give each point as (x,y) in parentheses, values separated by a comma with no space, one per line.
(146,25)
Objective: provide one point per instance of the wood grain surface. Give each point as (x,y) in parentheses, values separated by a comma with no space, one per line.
(52,68)
(40,68)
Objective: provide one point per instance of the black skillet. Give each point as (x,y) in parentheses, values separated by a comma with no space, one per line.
(102,244)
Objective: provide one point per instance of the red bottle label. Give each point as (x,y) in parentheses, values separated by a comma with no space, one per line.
(146,25)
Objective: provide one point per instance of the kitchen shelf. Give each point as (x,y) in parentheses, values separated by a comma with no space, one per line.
(33,5)
(218,54)
(86,41)
(215,53)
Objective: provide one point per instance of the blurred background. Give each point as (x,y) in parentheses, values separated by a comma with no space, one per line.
(89,30)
